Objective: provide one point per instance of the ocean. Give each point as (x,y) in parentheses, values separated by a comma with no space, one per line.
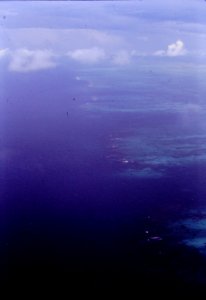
(103,174)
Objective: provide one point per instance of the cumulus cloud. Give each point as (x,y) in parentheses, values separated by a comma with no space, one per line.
(24,60)
(89,55)
(121,58)
(175,49)
(4,52)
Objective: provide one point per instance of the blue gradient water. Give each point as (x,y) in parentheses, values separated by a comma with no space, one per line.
(104,171)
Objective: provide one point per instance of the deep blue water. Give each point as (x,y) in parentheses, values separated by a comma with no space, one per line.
(103,172)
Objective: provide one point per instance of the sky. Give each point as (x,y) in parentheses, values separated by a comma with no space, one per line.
(39,35)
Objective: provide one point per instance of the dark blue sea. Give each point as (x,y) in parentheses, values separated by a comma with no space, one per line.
(103,176)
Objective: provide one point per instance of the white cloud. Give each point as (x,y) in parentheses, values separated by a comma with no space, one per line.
(59,39)
(175,49)
(24,60)
(90,55)
(121,58)
(4,52)
(160,53)
(102,38)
